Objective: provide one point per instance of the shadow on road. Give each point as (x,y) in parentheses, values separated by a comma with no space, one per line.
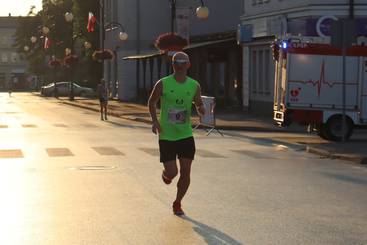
(124,125)
(349,179)
(211,235)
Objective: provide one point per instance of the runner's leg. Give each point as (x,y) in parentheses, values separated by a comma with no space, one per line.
(170,169)
(105,110)
(184,180)
(101,109)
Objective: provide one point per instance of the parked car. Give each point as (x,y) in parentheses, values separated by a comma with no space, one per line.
(63,90)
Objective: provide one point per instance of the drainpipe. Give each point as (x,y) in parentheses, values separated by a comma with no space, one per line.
(351,9)
(138,26)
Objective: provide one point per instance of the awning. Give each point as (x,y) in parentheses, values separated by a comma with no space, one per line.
(191,46)
(142,56)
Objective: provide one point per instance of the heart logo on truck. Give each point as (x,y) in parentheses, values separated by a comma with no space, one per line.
(295,92)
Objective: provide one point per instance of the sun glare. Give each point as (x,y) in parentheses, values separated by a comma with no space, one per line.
(20,7)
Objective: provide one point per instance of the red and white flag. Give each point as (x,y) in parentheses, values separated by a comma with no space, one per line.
(47,43)
(91,22)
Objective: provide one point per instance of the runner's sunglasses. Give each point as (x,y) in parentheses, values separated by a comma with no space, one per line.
(180,62)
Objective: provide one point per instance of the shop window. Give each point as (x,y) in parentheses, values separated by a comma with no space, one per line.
(261,71)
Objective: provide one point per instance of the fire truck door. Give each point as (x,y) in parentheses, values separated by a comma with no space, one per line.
(364,91)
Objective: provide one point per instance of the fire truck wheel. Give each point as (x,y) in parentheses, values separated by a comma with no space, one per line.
(333,129)
(321,131)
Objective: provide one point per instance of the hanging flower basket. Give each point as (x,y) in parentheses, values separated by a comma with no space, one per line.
(70,60)
(100,55)
(170,42)
(54,64)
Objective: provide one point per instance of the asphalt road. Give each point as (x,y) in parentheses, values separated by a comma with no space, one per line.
(69,178)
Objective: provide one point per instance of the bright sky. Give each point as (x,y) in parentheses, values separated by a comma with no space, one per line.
(19,7)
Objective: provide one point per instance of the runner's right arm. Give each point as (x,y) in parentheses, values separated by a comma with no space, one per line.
(152,104)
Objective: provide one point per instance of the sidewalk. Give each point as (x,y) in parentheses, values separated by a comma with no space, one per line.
(355,150)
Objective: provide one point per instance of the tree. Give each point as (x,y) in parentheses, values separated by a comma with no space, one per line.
(90,70)
(27,27)
(61,35)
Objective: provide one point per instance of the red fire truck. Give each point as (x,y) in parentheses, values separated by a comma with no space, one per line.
(308,85)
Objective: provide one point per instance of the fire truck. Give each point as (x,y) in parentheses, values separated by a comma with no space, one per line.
(308,87)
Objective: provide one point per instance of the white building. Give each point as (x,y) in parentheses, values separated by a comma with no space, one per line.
(12,66)
(263,20)
(144,21)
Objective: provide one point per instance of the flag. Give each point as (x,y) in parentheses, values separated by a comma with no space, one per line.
(91,22)
(47,43)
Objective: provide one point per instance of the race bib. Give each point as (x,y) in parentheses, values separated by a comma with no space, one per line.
(176,116)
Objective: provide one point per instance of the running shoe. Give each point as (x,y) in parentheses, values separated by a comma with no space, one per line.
(177,210)
(165,179)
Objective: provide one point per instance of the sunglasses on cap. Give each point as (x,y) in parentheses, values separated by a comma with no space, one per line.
(180,62)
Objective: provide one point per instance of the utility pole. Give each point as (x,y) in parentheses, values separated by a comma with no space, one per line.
(102,30)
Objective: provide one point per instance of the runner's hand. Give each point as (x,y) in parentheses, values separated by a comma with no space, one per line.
(201,110)
(156,127)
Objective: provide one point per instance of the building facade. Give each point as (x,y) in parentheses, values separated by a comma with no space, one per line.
(264,20)
(12,66)
(145,20)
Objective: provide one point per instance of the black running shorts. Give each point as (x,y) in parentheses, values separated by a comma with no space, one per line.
(170,150)
(102,100)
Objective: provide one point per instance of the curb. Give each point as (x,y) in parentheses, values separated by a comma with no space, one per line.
(355,159)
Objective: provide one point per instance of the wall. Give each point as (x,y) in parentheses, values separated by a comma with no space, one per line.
(256,7)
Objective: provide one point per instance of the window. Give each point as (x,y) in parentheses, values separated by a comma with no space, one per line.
(14,57)
(4,58)
(2,80)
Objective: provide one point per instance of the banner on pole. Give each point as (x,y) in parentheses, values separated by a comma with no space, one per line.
(182,22)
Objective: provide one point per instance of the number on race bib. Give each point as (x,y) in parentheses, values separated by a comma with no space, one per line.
(176,116)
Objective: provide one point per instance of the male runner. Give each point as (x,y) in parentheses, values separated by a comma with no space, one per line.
(176,94)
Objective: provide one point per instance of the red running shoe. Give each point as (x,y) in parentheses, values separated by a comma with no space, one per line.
(177,210)
(165,179)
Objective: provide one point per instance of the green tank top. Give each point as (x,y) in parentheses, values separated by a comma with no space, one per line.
(176,106)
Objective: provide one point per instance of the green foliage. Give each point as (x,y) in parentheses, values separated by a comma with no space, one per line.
(90,70)
(62,35)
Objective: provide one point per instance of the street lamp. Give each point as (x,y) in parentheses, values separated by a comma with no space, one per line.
(68,51)
(123,36)
(87,45)
(69,17)
(202,12)
(45,30)
(33,39)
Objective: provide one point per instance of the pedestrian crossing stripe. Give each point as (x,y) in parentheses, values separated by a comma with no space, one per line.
(101,150)
(11,153)
(59,152)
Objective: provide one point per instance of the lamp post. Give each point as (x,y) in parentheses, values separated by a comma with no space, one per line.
(202,12)
(68,51)
(123,36)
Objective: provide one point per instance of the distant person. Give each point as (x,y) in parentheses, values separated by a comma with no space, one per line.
(102,93)
(10,88)
(176,93)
